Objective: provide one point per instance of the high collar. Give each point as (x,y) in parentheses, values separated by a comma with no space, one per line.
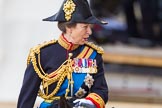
(66,44)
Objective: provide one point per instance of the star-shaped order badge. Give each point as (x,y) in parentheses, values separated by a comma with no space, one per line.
(80,93)
(89,80)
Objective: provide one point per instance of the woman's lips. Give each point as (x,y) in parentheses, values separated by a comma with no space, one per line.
(86,39)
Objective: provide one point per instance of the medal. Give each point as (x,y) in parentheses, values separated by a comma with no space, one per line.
(82,65)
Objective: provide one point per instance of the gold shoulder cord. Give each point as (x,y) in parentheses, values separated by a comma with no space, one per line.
(36,49)
(64,70)
(100,50)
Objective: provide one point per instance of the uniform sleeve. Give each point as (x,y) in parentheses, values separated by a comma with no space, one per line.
(99,90)
(29,89)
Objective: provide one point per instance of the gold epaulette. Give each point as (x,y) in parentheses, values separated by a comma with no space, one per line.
(99,49)
(36,49)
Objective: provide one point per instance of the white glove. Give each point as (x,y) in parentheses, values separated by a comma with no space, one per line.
(84,103)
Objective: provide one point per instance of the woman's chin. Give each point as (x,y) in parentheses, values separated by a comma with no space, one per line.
(81,43)
(85,41)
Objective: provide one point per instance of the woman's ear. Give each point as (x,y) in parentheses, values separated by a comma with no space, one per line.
(69,30)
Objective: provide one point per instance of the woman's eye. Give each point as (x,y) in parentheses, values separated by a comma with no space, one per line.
(84,26)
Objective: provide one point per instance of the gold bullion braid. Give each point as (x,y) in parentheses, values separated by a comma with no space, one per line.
(37,69)
(37,48)
(67,69)
(40,65)
(41,93)
(60,74)
(99,49)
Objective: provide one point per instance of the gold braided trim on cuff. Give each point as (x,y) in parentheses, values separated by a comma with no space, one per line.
(97,99)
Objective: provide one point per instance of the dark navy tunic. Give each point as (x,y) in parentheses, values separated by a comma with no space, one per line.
(51,57)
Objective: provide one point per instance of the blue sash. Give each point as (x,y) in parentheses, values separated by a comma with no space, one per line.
(87,53)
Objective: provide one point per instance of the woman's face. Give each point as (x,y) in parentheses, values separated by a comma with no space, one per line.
(80,33)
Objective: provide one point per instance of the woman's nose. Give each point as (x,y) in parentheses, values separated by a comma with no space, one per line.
(89,30)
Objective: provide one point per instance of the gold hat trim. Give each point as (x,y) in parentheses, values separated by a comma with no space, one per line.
(69,8)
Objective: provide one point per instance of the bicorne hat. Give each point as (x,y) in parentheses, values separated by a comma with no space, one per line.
(77,11)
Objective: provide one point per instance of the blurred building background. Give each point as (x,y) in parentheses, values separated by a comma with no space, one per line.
(133,60)
(133,48)
(21,27)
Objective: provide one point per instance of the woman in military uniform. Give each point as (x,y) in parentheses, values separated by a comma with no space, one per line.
(70,66)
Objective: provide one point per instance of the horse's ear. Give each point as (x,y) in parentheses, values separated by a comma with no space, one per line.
(64,103)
